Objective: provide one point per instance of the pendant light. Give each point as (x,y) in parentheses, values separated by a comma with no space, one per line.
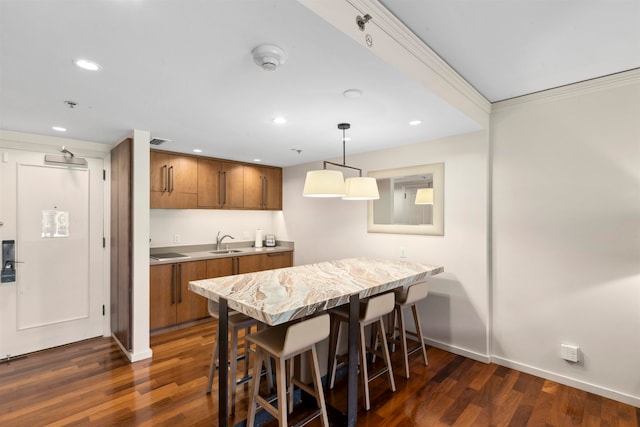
(331,183)
(424,196)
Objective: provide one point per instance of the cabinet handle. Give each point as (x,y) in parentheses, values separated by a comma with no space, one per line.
(263,181)
(173,284)
(171,172)
(220,187)
(165,174)
(224,175)
(179,283)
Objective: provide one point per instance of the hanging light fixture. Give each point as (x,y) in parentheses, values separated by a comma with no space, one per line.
(331,183)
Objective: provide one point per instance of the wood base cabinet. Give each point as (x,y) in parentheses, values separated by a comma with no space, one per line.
(173,303)
(171,300)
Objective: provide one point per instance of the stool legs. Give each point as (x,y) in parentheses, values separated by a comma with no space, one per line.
(403,336)
(377,328)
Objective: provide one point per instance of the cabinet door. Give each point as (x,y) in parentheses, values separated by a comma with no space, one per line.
(220,267)
(173,181)
(159,170)
(220,184)
(253,192)
(278,260)
(209,191)
(163,296)
(253,263)
(262,188)
(232,176)
(272,187)
(191,306)
(183,174)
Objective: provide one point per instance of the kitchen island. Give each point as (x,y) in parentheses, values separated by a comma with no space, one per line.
(279,296)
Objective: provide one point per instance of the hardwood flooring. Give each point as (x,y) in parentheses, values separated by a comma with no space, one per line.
(91,383)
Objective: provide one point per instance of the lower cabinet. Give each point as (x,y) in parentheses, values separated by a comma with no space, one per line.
(173,303)
(171,300)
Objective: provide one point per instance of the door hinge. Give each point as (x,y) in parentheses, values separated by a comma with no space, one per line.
(103,309)
(104,174)
(104,242)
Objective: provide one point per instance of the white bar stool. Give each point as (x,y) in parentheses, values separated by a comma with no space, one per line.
(372,311)
(409,298)
(283,342)
(237,322)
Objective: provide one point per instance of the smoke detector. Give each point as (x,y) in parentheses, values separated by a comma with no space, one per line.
(269,56)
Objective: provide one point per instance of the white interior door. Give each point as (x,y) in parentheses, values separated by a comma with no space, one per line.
(58,294)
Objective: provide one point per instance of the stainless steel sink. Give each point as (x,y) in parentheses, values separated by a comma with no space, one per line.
(225,251)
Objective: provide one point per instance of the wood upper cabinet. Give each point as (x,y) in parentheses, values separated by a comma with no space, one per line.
(173,180)
(220,184)
(171,301)
(262,187)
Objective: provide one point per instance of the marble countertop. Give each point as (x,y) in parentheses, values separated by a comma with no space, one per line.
(278,296)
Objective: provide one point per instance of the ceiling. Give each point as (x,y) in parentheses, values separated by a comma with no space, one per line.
(183,70)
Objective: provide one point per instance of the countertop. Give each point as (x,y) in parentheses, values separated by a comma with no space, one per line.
(203,252)
(280,295)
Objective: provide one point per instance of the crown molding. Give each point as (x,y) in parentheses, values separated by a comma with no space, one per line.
(394,43)
(392,26)
(623,78)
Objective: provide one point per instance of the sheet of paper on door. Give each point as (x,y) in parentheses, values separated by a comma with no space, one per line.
(55,223)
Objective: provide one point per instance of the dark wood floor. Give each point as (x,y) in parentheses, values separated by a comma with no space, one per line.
(91,383)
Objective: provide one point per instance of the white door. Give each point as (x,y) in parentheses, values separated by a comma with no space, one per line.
(55,216)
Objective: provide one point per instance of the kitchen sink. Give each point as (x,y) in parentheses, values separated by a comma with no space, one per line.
(226,251)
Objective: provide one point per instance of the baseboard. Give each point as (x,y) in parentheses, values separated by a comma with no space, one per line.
(581,385)
(458,350)
(133,356)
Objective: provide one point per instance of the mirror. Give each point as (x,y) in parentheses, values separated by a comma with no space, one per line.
(402,208)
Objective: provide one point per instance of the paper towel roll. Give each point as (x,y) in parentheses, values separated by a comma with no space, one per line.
(258,238)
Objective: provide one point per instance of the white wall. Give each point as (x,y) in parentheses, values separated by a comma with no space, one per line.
(456,312)
(566,234)
(200,226)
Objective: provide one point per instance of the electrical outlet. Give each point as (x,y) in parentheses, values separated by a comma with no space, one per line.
(176,238)
(570,352)
(403,252)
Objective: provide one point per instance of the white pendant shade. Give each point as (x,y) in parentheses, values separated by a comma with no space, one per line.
(361,188)
(424,196)
(324,183)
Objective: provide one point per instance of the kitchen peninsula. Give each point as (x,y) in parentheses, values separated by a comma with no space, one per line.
(278,296)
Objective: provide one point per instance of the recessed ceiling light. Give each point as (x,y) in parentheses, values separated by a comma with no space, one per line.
(197,150)
(59,128)
(86,64)
(279,120)
(257,160)
(415,122)
(347,139)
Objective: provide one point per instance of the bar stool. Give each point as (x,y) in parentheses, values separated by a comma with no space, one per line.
(372,311)
(283,342)
(409,298)
(237,322)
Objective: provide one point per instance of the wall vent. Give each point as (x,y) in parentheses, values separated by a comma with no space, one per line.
(158,141)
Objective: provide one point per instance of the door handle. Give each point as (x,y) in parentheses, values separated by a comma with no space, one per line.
(171,183)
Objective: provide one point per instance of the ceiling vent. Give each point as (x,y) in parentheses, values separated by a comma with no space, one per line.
(158,141)
(268,56)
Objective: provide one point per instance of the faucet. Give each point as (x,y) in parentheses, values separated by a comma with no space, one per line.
(220,239)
